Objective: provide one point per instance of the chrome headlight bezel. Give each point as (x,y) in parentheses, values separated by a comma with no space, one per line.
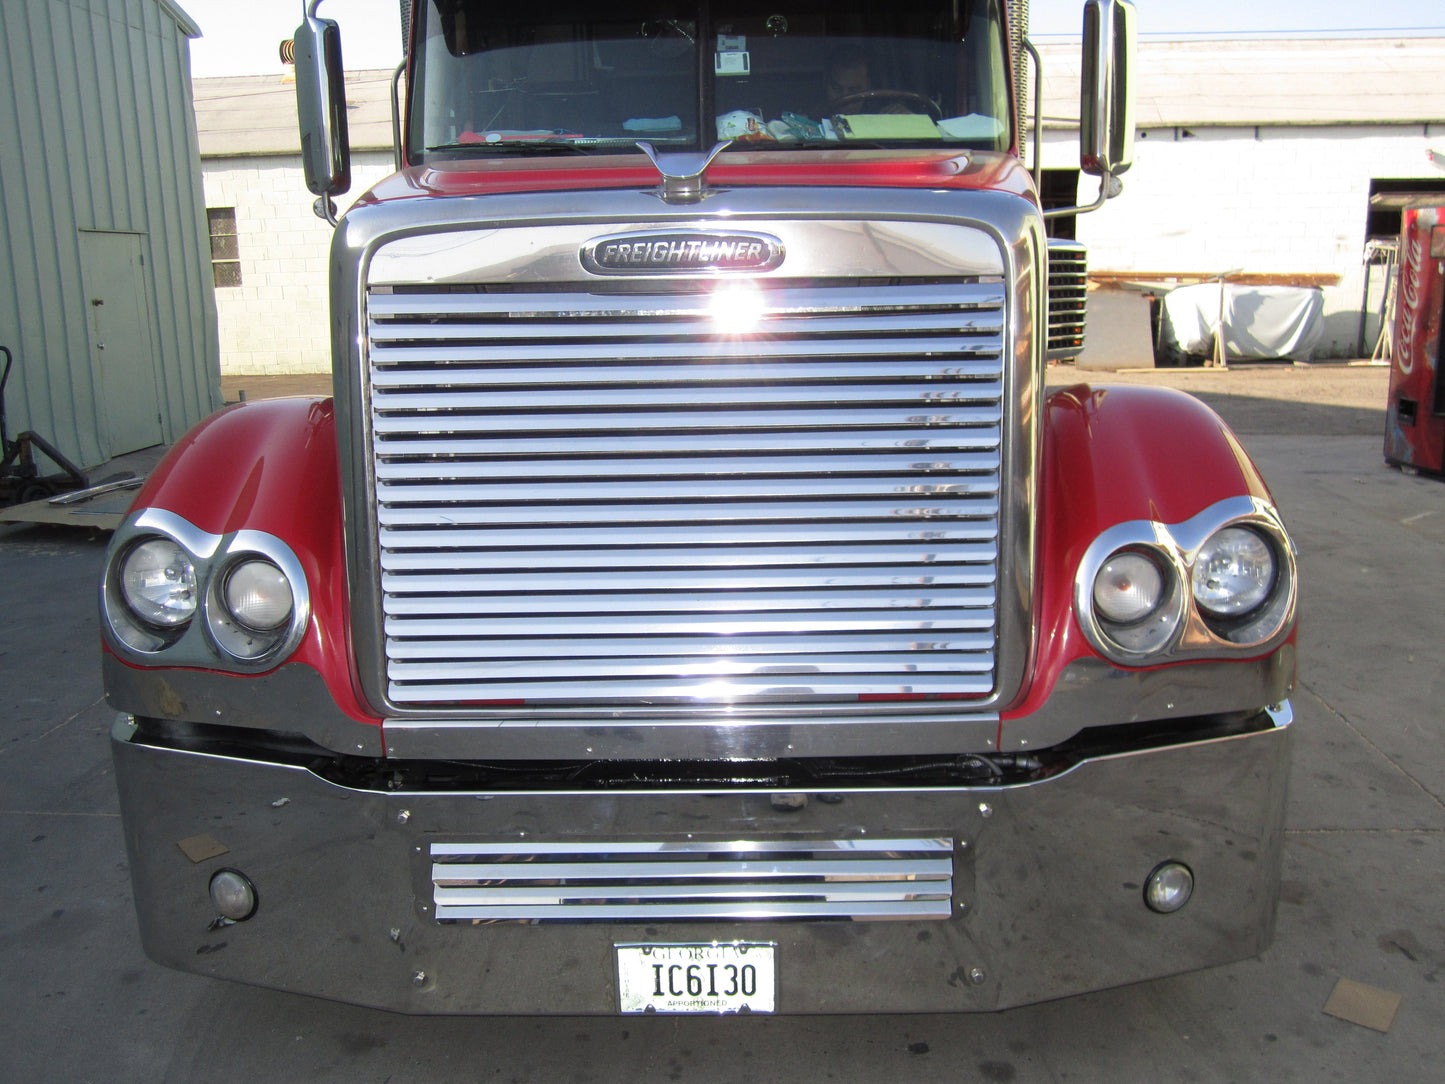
(214,637)
(1180,627)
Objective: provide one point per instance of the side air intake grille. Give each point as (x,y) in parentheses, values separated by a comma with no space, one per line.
(840,879)
(689,494)
(1068,298)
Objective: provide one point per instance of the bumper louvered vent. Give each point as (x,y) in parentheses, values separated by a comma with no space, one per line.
(1068,298)
(675,495)
(841,879)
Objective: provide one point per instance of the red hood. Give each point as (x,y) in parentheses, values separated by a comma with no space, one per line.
(888,169)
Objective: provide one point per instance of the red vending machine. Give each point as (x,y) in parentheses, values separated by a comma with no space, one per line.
(1415,419)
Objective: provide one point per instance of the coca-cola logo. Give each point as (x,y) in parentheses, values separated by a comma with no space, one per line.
(1409,298)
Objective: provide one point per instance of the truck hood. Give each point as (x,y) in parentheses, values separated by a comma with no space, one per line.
(911,169)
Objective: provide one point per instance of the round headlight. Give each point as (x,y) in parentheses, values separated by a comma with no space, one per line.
(1234,572)
(158,583)
(1128,588)
(259,595)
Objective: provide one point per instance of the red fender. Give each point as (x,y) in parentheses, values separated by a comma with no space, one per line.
(272,466)
(1112,455)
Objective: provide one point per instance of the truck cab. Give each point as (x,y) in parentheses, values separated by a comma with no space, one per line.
(689,600)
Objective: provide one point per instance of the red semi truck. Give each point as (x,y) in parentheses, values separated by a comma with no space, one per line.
(690,600)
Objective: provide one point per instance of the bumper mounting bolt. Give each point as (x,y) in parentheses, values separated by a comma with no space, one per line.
(418,978)
(976,976)
(985,810)
(403,816)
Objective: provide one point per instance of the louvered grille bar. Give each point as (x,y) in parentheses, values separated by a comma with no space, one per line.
(839,879)
(1068,298)
(687,495)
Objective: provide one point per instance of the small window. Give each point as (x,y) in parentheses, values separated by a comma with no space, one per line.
(225,251)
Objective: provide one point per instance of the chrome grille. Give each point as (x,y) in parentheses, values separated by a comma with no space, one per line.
(842,879)
(1068,298)
(626,495)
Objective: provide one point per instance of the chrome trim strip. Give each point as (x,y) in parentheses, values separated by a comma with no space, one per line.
(464,874)
(938,844)
(796,730)
(755,910)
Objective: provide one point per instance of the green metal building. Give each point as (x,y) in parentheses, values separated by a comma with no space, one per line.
(106,295)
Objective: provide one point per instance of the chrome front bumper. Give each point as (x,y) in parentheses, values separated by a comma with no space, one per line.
(1046,886)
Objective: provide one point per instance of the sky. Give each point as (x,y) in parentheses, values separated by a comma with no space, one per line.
(244,38)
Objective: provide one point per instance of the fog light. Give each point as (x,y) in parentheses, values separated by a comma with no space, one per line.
(1168,887)
(233,894)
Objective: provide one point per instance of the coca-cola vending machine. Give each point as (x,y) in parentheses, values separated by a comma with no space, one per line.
(1415,420)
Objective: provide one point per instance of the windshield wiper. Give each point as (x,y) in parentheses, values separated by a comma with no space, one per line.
(539,146)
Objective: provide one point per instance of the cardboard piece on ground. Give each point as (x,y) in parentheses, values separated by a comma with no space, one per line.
(199,848)
(1368,1006)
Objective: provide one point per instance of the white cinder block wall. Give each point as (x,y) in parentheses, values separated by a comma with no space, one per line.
(276,321)
(1280,200)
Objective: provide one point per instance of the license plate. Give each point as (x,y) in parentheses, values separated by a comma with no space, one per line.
(734,976)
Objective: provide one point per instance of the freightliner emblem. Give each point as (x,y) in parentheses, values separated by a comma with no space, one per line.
(671,251)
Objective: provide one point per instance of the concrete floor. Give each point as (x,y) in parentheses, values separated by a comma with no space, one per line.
(1365,854)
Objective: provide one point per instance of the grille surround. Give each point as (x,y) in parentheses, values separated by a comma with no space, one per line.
(829,232)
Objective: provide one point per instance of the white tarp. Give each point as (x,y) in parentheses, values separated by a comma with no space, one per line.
(1259,321)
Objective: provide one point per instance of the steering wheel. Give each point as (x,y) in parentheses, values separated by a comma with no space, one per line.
(915,103)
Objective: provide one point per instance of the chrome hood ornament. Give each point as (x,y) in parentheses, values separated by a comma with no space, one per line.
(683,174)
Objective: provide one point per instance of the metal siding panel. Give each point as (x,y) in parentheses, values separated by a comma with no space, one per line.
(198,391)
(112,93)
(72,67)
(58,398)
(166,255)
(179,241)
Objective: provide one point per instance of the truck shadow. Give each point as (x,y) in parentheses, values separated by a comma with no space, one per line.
(1252,415)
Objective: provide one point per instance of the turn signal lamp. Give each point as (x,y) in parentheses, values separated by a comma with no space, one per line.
(259,595)
(1128,588)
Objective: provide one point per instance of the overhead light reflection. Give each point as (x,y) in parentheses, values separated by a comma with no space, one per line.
(736,308)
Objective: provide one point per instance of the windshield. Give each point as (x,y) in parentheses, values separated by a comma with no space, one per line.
(571,76)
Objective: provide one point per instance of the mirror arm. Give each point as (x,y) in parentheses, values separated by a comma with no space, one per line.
(1037,169)
(396,113)
(1109,187)
(325,209)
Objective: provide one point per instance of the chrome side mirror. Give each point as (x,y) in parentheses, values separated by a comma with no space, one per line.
(321,109)
(1106,101)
